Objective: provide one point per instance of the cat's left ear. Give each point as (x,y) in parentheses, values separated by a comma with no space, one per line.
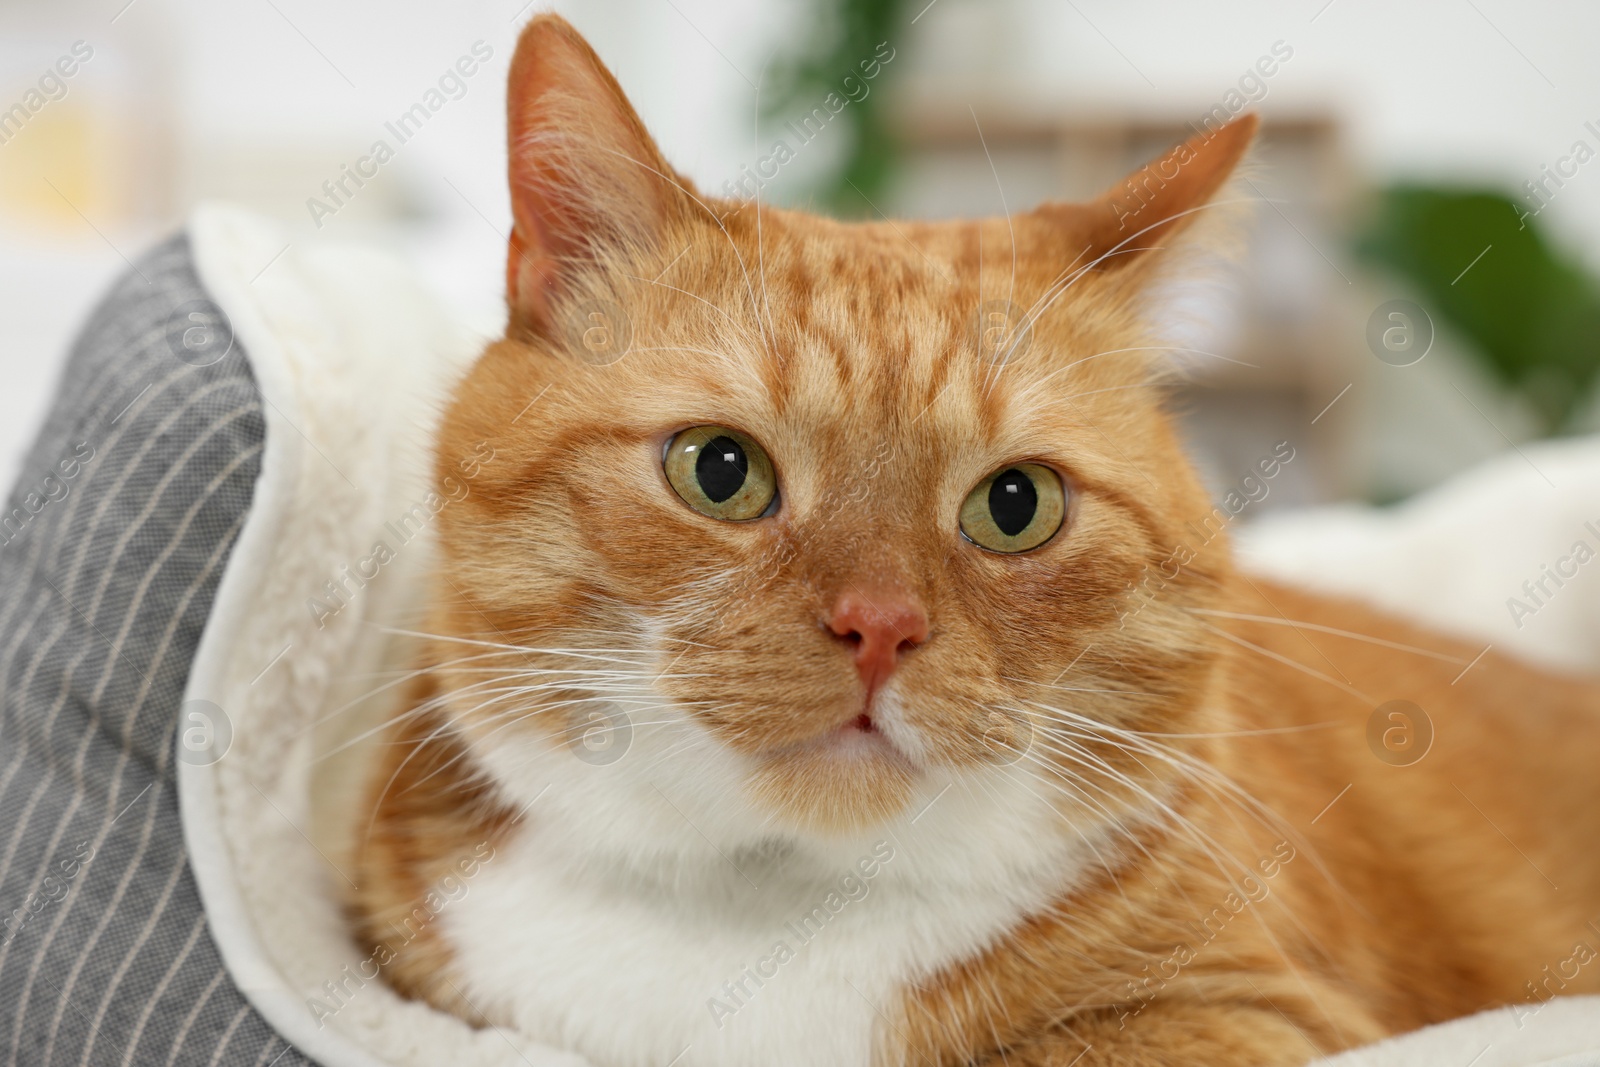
(1155,202)
(587,180)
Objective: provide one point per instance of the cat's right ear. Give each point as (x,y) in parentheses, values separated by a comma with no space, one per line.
(1140,215)
(587,181)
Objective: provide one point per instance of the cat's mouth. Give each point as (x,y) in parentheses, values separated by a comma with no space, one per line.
(851,773)
(861,737)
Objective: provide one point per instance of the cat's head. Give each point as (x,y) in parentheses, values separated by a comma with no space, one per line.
(821,517)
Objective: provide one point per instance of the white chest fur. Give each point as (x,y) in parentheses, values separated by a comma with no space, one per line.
(649,918)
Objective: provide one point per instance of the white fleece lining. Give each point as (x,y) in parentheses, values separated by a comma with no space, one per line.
(352,358)
(217,246)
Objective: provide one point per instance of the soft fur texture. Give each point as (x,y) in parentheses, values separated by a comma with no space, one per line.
(1118,806)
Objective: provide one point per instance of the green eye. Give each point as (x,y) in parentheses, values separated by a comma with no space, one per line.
(721,473)
(1014,509)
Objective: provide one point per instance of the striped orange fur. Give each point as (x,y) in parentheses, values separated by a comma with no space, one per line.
(1167,708)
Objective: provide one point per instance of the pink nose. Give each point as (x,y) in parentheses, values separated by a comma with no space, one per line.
(879,624)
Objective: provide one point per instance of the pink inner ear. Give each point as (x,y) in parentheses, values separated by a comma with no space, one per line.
(554,232)
(584,172)
(534,299)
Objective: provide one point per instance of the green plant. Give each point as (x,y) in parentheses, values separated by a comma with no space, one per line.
(1530,313)
(842,33)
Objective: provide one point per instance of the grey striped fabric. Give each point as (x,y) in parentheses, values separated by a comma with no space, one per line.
(111,547)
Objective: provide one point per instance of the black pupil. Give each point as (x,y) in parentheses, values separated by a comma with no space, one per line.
(721,468)
(1012,502)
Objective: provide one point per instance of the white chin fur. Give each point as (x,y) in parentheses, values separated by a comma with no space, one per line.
(639,909)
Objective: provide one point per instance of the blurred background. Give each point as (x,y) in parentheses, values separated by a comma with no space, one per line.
(1422,282)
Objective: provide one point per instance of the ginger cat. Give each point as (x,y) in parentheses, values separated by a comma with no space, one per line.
(815,681)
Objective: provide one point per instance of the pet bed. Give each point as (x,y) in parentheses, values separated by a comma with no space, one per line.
(194,615)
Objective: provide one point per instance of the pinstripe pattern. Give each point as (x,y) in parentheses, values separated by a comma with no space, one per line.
(105,957)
